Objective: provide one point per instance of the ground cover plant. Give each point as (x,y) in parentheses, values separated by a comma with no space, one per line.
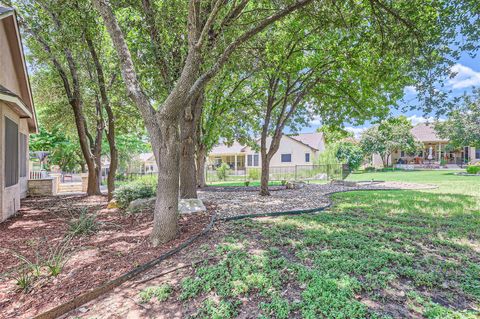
(374,254)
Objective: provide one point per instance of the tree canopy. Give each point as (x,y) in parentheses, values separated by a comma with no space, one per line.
(462,127)
(393,134)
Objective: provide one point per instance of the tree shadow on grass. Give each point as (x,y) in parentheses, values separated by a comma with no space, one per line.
(413,253)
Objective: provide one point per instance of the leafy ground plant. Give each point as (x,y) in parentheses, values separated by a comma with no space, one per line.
(376,254)
(161,293)
(84,224)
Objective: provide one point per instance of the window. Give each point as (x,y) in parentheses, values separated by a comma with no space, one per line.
(402,154)
(252,160)
(477,153)
(23,155)
(307,157)
(11,152)
(286,158)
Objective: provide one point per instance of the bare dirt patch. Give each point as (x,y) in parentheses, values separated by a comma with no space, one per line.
(120,244)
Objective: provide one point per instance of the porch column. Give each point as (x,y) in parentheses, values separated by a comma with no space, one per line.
(235,165)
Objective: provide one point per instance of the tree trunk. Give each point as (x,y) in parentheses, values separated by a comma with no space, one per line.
(188,183)
(93,186)
(201,159)
(265,173)
(113,164)
(165,226)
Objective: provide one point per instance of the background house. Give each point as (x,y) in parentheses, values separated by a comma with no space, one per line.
(17,116)
(435,151)
(301,149)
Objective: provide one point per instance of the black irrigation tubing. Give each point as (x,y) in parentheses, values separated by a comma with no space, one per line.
(108,286)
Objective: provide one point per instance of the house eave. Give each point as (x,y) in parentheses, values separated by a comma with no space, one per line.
(17,105)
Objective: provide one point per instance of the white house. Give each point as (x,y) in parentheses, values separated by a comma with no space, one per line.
(301,149)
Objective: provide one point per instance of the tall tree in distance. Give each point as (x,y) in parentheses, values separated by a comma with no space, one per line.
(393,134)
(462,127)
(52,44)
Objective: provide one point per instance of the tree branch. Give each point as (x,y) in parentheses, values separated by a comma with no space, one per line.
(223,58)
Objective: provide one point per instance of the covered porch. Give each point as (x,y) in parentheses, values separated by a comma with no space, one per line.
(433,153)
(235,161)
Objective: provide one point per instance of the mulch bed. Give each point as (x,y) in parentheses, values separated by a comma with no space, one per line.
(120,244)
(240,188)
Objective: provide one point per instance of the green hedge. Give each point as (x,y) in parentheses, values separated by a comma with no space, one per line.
(144,187)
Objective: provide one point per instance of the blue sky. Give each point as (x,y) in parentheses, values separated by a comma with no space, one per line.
(468,76)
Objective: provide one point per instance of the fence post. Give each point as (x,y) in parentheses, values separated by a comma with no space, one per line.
(296,172)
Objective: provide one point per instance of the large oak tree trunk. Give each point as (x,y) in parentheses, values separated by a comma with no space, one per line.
(201,159)
(165,218)
(189,130)
(188,183)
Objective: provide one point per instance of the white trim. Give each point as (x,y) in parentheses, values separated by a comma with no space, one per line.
(17,101)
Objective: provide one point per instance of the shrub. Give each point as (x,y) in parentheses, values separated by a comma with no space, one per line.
(474,169)
(222,171)
(254,174)
(247,183)
(350,154)
(85,224)
(141,188)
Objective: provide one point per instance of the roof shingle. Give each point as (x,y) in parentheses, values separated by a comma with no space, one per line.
(425,132)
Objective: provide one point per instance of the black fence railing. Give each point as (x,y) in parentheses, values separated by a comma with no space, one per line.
(325,172)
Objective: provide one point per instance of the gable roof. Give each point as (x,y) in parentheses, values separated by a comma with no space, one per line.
(226,149)
(313,140)
(146,157)
(4,10)
(23,101)
(425,132)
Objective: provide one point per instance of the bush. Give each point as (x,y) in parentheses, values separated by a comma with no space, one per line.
(223,171)
(254,174)
(141,188)
(350,154)
(474,169)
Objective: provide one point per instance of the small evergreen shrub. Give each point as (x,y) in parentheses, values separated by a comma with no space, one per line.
(474,169)
(141,188)
(222,171)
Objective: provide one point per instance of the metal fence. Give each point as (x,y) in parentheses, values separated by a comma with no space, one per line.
(281,173)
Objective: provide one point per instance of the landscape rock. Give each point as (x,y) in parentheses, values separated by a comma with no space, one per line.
(295,185)
(141,204)
(112,204)
(191,205)
(185,206)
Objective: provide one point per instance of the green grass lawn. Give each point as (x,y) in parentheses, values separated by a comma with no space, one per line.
(377,254)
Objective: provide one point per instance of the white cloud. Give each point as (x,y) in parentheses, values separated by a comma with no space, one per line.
(415,119)
(410,90)
(465,77)
(357,131)
(316,120)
